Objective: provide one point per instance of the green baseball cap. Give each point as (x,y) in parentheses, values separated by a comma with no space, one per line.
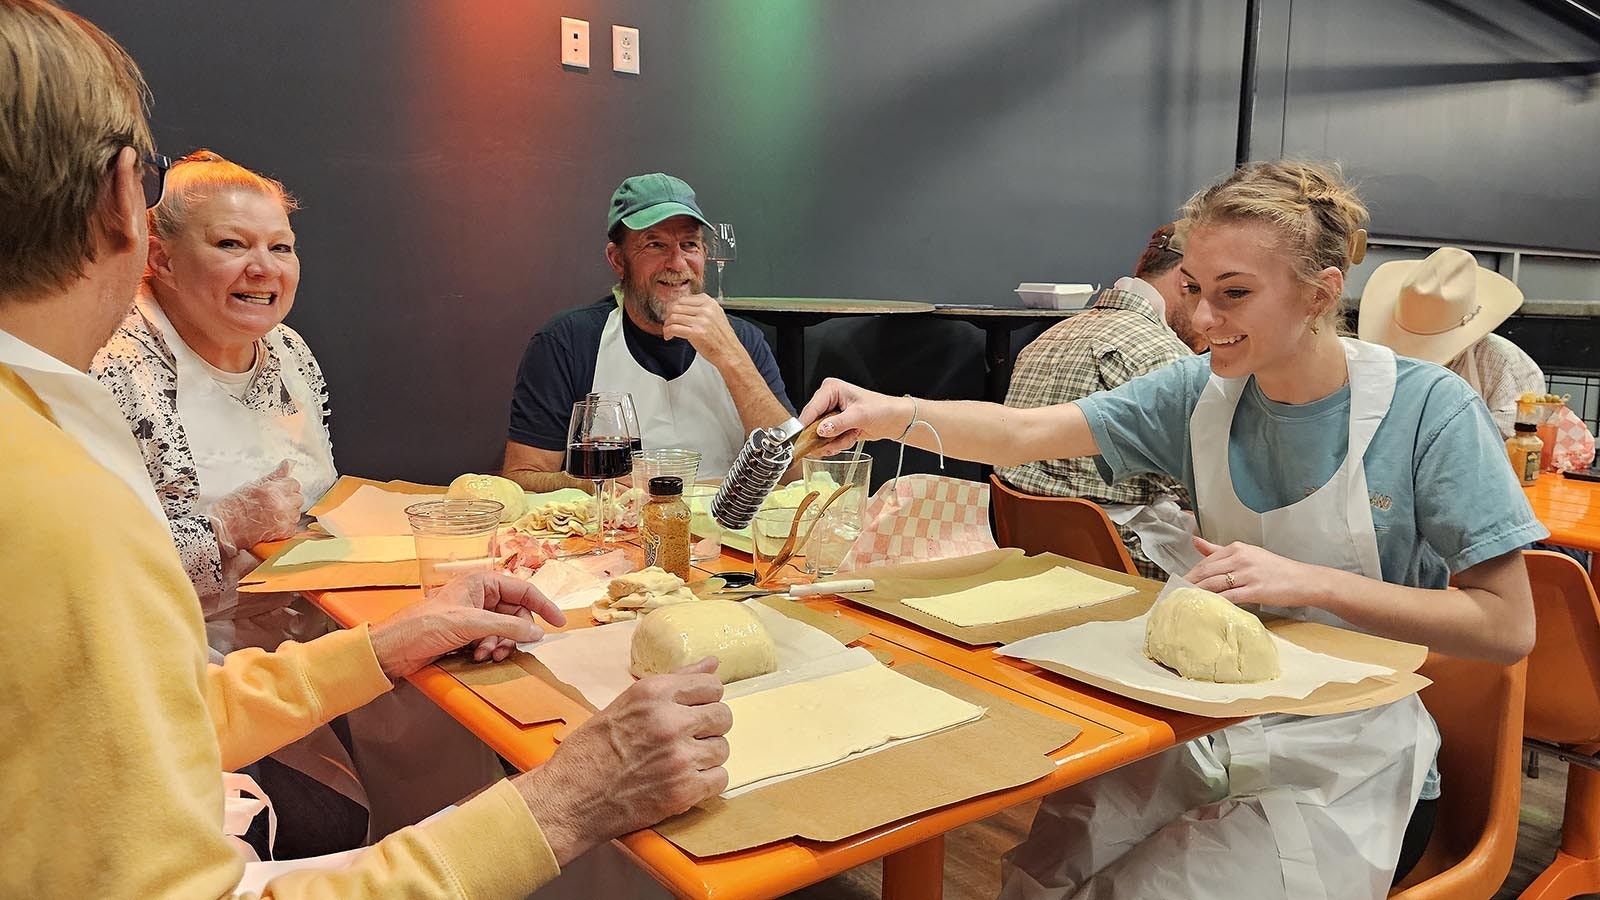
(644,200)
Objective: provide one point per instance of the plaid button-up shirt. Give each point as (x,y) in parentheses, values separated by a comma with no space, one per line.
(1118,339)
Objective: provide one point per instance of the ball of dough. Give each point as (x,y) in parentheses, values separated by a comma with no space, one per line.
(1204,637)
(490,487)
(674,636)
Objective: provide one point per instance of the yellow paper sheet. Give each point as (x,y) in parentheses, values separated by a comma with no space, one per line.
(814,723)
(1022,598)
(371,511)
(374,548)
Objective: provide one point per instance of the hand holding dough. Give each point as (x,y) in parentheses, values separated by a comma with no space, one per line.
(1204,637)
(674,636)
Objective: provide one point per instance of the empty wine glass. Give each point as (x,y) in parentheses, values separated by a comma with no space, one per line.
(721,249)
(599,448)
(630,419)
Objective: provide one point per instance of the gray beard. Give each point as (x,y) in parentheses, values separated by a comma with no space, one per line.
(649,306)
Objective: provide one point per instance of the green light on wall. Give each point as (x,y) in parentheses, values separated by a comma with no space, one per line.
(760,68)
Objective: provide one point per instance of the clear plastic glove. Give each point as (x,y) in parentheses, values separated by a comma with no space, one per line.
(494,613)
(266,509)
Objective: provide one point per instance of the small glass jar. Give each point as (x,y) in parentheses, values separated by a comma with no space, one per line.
(1524,448)
(664,527)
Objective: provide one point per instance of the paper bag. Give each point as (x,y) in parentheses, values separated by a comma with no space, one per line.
(922,517)
(1574,449)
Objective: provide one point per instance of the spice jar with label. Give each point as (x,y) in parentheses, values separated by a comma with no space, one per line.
(664,526)
(1524,449)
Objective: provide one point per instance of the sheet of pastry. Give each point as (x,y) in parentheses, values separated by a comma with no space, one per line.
(814,723)
(1021,598)
(371,548)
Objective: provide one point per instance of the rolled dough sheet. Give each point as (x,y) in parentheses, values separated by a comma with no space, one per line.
(1021,598)
(814,723)
(372,548)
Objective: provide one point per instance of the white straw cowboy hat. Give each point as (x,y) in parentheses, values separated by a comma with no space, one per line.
(1432,309)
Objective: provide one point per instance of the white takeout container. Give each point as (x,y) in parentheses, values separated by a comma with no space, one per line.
(1039,295)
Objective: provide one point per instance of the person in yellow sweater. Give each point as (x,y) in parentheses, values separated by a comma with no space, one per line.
(116,728)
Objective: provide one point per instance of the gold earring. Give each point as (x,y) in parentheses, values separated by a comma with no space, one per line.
(1315,329)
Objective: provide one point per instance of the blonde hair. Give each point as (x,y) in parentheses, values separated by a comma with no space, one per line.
(1317,215)
(204,174)
(70,100)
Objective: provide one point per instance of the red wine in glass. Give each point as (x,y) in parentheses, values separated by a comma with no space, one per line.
(599,460)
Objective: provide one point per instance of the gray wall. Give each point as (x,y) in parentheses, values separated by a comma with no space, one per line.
(1463,119)
(454,177)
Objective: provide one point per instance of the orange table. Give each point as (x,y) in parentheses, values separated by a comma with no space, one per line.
(1115,732)
(1571,510)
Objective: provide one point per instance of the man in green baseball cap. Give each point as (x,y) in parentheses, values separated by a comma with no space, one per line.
(699,380)
(645,200)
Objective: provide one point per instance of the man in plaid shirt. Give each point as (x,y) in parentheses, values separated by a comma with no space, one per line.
(1136,326)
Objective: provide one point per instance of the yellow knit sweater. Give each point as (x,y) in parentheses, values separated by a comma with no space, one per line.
(114,730)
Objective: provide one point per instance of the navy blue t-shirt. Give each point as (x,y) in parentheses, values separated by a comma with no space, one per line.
(557,368)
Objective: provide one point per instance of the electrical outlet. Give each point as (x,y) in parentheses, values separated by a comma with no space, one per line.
(574,43)
(625,49)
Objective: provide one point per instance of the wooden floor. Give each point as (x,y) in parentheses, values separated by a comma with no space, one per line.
(972,854)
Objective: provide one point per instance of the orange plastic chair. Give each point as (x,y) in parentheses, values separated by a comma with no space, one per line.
(1564,710)
(1478,706)
(1067,526)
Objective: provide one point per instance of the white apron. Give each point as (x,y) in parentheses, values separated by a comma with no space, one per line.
(413,759)
(694,411)
(1324,801)
(233,445)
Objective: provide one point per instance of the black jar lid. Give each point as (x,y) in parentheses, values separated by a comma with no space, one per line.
(666,486)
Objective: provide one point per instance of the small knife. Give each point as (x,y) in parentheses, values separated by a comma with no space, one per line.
(843,586)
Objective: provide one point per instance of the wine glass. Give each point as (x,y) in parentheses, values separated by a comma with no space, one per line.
(721,249)
(630,417)
(599,448)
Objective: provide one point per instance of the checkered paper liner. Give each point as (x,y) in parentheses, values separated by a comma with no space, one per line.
(1574,444)
(922,517)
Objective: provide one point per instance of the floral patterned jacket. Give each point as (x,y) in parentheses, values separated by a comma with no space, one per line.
(138,368)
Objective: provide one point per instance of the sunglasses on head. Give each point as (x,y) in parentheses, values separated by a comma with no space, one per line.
(154,176)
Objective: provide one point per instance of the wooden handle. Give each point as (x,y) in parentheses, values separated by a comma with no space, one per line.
(808,441)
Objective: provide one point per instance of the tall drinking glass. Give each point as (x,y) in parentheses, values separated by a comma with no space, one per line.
(721,249)
(630,417)
(598,449)
(836,533)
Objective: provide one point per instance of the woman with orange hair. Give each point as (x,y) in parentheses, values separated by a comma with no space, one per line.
(230,410)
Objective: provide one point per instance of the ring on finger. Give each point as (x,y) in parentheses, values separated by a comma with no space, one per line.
(1228,576)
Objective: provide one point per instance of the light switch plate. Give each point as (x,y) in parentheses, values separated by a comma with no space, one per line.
(574,43)
(625,49)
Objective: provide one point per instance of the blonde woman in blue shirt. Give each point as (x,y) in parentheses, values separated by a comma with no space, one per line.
(1333,482)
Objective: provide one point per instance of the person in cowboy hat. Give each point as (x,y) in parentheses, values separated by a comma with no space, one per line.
(1444,309)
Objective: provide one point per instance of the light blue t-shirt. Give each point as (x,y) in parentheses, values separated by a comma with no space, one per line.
(1441,489)
(1442,492)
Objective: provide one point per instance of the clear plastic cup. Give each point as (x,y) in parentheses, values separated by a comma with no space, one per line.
(454,538)
(841,523)
(705,535)
(769,531)
(835,534)
(648,464)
